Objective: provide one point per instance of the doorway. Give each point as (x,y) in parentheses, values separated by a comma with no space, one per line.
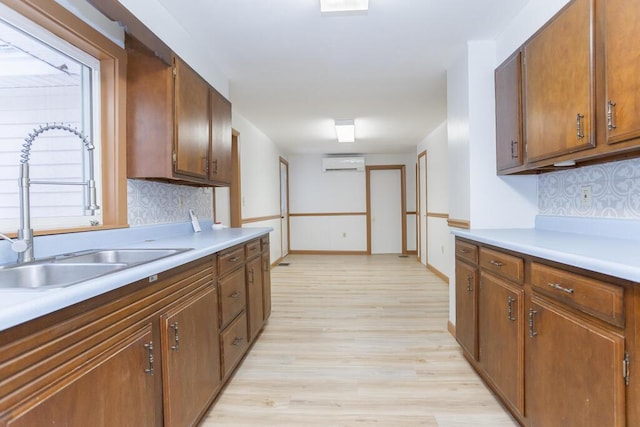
(423,232)
(284,208)
(386,209)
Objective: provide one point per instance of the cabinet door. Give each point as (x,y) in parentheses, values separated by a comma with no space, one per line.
(509,113)
(191,142)
(191,358)
(500,336)
(559,84)
(255,296)
(113,389)
(574,370)
(220,167)
(266,284)
(466,308)
(622,70)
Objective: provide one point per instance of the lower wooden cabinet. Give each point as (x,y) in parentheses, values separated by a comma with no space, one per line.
(116,387)
(555,344)
(190,358)
(152,353)
(255,297)
(466,307)
(500,337)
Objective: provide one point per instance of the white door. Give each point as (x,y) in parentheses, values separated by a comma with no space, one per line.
(386,211)
(284,208)
(423,209)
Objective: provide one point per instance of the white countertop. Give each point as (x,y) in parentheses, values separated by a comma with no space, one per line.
(605,246)
(19,306)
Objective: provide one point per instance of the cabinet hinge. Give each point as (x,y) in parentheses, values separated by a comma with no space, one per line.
(174,157)
(625,369)
(175,71)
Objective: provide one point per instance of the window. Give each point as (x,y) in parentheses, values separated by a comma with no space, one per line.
(55,68)
(43,79)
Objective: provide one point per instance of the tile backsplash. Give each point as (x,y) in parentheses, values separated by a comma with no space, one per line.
(158,203)
(615,191)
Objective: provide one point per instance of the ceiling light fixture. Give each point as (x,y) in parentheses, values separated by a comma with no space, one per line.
(346,130)
(328,6)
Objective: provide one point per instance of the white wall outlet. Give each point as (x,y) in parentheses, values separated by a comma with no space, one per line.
(585,197)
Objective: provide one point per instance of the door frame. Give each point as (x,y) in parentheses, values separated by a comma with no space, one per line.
(235,190)
(286,192)
(403,201)
(419,211)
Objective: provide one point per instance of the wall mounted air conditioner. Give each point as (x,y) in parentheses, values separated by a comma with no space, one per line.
(350,163)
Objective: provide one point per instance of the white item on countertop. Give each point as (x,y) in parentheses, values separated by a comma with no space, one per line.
(194,221)
(218,226)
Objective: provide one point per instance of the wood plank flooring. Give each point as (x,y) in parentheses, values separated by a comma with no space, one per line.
(357,340)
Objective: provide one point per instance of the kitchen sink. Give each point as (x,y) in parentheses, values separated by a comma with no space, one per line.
(125,256)
(71,269)
(48,275)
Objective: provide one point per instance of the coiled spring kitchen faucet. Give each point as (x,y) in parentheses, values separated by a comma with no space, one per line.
(25,233)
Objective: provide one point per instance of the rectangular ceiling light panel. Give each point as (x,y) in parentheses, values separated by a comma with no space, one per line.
(328,6)
(345,130)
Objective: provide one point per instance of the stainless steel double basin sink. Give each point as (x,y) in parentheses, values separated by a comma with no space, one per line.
(75,268)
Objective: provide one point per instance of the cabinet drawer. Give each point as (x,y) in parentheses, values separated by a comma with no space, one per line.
(600,299)
(230,259)
(253,248)
(232,296)
(505,265)
(467,251)
(234,343)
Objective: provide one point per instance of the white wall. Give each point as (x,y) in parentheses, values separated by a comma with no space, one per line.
(260,179)
(314,191)
(437,233)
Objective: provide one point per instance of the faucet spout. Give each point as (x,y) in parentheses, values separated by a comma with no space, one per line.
(25,233)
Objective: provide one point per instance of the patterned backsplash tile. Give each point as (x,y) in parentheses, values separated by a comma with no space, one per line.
(615,191)
(158,203)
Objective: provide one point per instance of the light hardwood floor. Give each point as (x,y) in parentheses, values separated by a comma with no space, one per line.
(356,340)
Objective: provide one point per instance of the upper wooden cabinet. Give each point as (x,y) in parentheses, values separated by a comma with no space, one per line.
(622,68)
(559,84)
(579,90)
(509,142)
(220,160)
(178,127)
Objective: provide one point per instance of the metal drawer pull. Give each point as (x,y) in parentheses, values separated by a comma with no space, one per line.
(464,251)
(510,301)
(237,341)
(254,248)
(610,123)
(514,150)
(235,295)
(234,259)
(176,338)
(532,313)
(149,348)
(496,263)
(251,279)
(561,288)
(579,125)
(469,279)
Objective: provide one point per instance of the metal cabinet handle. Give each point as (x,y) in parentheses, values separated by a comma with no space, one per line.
(561,288)
(579,118)
(234,259)
(215,166)
(514,149)
(149,347)
(464,251)
(532,314)
(234,295)
(610,123)
(266,266)
(237,341)
(176,337)
(510,301)
(496,263)
(251,278)
(469,279)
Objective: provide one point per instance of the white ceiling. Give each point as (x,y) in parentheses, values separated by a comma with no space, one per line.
(292,70)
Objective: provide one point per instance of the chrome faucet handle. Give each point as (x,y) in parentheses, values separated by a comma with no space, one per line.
(16,245)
